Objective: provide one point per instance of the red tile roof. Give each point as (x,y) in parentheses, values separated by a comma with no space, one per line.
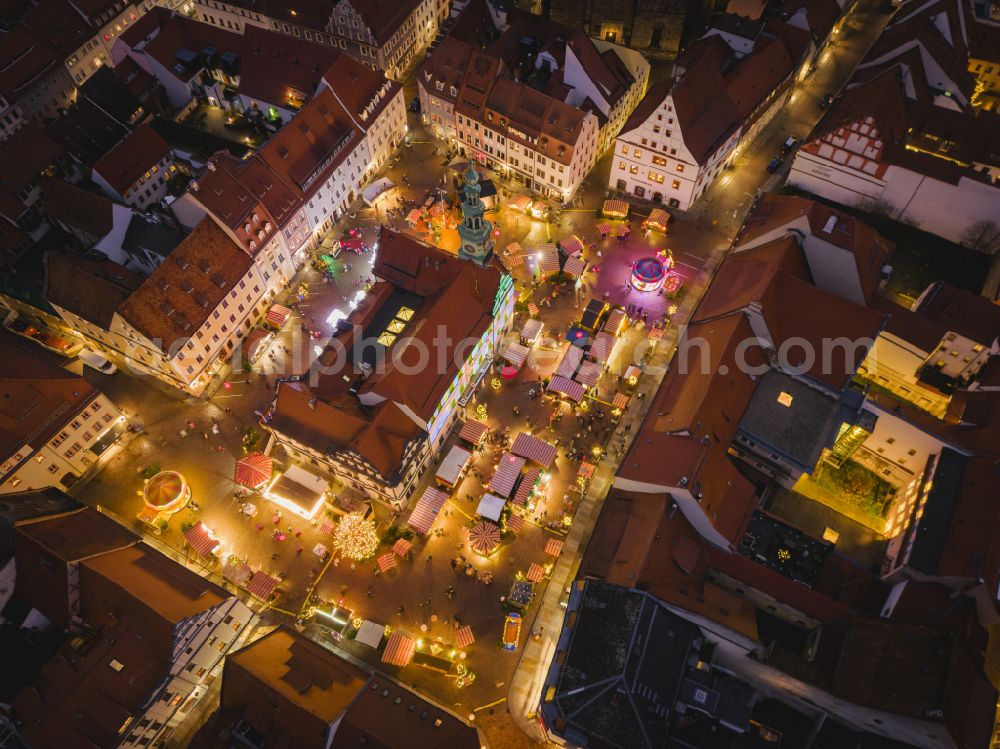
(607,71)
(962,311)
(272,63)
(92,290)
(363,92)
(446,64)
(24,60)
(37,399)
(179,32)
(125,163)
(58,23)
(306,150)
(178,297)
(384,17)
(25,155)
(83,209)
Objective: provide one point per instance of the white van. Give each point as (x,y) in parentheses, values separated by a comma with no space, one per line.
(98,362)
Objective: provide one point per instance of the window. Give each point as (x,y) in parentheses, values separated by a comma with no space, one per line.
(680,167)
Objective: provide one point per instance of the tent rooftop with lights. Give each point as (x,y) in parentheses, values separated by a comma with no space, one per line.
(299,491)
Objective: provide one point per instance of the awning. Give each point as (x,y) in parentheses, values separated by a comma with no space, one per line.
(527,484)
(473,432)
(376,189)
(515,353)
(532,448)
(588,374)
(399,650)
(535,573)
(464,637)
(565,386)
(427,509)
(602,347)
(520,202)
(278,315)
(613,324)
(502,483)
(413,216)
(586,470)
(451,468)
(515,523)
(603,228)
(543,260)
(514,259)
(623,231)
(402,547)
(553,547)
(327,526)
(570,361)
(370,633)
(237,572)
(571,245)
(484,538)
(615,208)
(532,331)
(620,401)
(514,249)
(387,561)
(254,470)
(491,507)
(632,371)
(658,219)
(574,266)
(655,334)
(262,585)
(532,308)
(201,540)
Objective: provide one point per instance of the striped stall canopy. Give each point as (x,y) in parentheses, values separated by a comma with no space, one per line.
(427,509)
(464,637)
(527,484)
(520,202)
(613,324)
(402,547)
(658,219)
(603,228)
(623,231)
(553,547)
(327,526)
(571,359)
(586,470)
(616,208)
(278,315)
(565,386)
(532,308)
(237,572)
(515,354)
(262,585)
(532,331)
(572,245)
(399,650)
(515,523)
(514,248)
(473,431)
(602,347)
(376,189)
(535,573)
(201,540)
(588,374)
(620,401)
(530,447)
(484,538)
(656,334)
(413,216)
(254,470)
(387,562)
(502,483)
(632,371)
(513,261)
(544,260)
(574,266)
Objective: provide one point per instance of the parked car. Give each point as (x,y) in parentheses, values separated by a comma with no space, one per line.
(415,104)
(98,362)
(826,101)
(774,165)
(790,142)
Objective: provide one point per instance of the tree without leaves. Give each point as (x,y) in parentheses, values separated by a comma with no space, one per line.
(982,236)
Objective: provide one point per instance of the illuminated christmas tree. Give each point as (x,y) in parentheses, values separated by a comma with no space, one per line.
(355,537)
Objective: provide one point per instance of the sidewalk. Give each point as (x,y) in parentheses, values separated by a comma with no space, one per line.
(526,685)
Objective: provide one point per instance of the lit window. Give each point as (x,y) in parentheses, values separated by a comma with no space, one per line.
(785,399)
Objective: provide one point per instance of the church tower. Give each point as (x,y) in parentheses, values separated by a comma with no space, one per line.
(475,232)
